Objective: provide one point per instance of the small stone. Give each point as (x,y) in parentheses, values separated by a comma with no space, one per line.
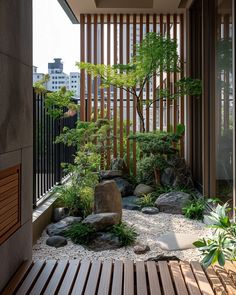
(110,174)
(173,202)
(56,241)
(125,188)
(129,203)
(143,189)
(150,210)
(176,241)
(102,220)
(141,249)
(60,213)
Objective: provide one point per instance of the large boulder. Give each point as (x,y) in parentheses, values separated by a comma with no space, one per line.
(60,213)
(57,229)
(56,241)
(125,188)
(177,174)
(102,220)
(107,198)
(143,189)
(119,164)
(104,241)
(110,174)
(173,202)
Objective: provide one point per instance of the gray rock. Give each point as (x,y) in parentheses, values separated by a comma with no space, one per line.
(176,241)
(104,241)
(107,198)
(168,176)
(173,202)
(102,220)
(141,249)
(125,188)
(150,210)
(57,229)
(119,164)
(143,189)
(110,174)
(129,203)
(56,241)
(60,213)
(178,174)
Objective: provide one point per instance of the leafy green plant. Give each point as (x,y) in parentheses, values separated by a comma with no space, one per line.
(222,246)
(125,233)
(80,233)
(147,200)
(155,54)
(195,209)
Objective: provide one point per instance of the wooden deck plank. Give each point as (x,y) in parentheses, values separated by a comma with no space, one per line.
(56,278)
(80,282)
(166,278)
(201,278)
(153,279)
(128,278)
(215,281)
(105,280)
(43,278)
(141,278)
(178,279)
(69,277)
(21,273)
(231,269)
(225,279)
(190,279)
(93,279)
(117,281)
(31,278)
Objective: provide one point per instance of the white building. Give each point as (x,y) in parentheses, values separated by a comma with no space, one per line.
(58,78)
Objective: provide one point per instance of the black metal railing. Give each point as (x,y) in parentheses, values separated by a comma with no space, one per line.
(48,156)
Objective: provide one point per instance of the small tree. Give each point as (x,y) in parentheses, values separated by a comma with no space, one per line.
(155,54)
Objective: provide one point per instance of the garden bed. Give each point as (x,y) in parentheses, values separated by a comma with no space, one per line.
(148,227)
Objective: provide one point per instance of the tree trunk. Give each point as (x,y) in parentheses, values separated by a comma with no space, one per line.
(139,111)
(157,173)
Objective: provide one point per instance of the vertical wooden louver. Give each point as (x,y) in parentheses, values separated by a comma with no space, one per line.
(9,202)
(111,39)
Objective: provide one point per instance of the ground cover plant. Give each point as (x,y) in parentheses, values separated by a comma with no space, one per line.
(222,246)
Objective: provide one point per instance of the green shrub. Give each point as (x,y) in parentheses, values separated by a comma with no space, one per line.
(80,233)
(195,209)
(79,200)
(222,246)
(147,200)
(125,233)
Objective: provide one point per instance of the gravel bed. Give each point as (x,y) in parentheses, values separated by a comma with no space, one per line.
(149,227)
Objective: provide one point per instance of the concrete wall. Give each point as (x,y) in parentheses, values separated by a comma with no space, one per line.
(16,122)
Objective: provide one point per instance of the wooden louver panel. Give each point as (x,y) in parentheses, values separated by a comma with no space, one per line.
(9,202)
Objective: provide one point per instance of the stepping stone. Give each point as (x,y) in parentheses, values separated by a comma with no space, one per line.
(56,241)
(176,241)
(150,210)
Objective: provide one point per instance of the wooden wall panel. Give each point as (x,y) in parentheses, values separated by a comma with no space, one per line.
(9,202)
(111,39)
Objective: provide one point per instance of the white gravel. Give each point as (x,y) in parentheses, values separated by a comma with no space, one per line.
(149,227)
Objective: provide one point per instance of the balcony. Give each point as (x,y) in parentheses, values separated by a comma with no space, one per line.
(142,154)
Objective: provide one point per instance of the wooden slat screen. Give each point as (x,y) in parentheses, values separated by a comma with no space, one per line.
(110,39)
(9,202)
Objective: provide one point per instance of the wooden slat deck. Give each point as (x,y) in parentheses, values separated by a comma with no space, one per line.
(122,278)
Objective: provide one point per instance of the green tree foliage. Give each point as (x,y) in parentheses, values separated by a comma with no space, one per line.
(155,149)
(154,55)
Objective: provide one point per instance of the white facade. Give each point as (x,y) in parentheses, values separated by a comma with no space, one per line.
(58,78)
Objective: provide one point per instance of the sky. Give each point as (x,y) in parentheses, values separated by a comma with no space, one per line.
(54,36)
